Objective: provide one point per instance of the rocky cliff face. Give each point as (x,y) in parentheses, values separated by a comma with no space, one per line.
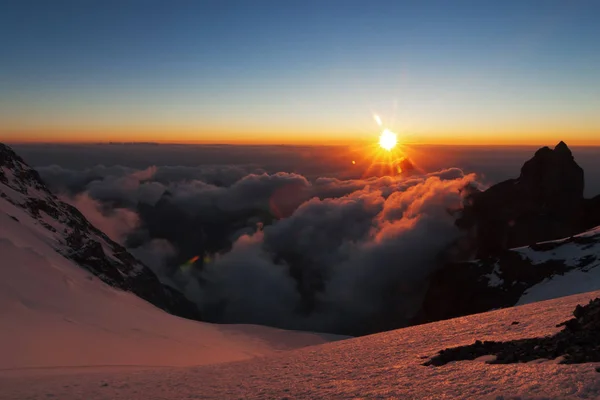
(73,236)
(543,204)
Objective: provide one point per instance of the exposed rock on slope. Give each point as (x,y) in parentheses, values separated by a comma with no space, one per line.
(500,281)
(545,203)
(72,235)
(578,342)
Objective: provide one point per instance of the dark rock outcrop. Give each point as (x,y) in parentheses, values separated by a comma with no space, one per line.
(80,241)
(544,203)
(591,209)
(578,342)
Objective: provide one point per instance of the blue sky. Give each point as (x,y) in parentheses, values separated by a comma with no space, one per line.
(231,69)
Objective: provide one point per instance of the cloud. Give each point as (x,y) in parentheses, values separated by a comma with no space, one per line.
(336,255)
(117,223)
(154,253)
(315,247)
(338,263)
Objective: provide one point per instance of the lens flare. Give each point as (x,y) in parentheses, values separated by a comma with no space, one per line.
(388,139)
(186,266)
(377,119)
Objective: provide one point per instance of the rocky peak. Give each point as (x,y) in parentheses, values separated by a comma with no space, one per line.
(553,173)
(7,155)
(562,149)
(14,172)
(544,203)
(525,231)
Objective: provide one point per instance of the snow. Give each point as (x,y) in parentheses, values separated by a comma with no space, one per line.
(584,258)
(592,232)
(8,173)
(573,282)
(65,334)
(31,225)
(385,365)
(494,279)
(570,253)
(54,313)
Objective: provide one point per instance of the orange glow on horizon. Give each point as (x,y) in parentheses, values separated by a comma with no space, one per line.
(164,136)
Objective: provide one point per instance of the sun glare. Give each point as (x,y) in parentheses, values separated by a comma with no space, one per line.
(388,140)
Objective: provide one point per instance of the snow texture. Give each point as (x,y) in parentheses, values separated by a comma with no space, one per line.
(580,254)
(385,365)
(53,313)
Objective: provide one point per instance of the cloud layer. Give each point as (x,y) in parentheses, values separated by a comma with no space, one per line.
(347,256)
(339,263)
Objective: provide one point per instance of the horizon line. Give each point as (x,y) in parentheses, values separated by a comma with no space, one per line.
(291,144)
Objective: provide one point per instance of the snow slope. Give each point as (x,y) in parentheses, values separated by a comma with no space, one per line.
(55,313)
(385,365)
(522,275)
(581,256)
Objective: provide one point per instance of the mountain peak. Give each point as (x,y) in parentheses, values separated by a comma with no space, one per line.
(562,149)
(554,171)
(6,151)
(73,236)
(16,174)
(543,203)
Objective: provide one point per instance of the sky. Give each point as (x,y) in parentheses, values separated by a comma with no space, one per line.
(468,72)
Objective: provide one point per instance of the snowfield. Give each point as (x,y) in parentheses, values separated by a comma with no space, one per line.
(580,280)
(385,365)
(53,313)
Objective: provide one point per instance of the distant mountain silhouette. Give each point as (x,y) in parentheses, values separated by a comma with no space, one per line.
(542,209)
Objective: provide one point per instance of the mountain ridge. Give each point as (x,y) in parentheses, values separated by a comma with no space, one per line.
(74,237)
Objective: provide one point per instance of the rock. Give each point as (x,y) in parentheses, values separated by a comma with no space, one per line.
(472,287)
(578,342)
(544,203)
(592,210)
(82,242)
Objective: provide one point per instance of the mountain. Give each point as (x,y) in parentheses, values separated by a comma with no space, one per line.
(75,323)
(74,237)
(516,276)
(526,234)
(544,203)
(70,296)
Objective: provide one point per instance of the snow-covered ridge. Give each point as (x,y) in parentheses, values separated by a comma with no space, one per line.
(25,198)
(522,275)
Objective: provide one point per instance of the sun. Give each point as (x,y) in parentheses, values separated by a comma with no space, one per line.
(388,139)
